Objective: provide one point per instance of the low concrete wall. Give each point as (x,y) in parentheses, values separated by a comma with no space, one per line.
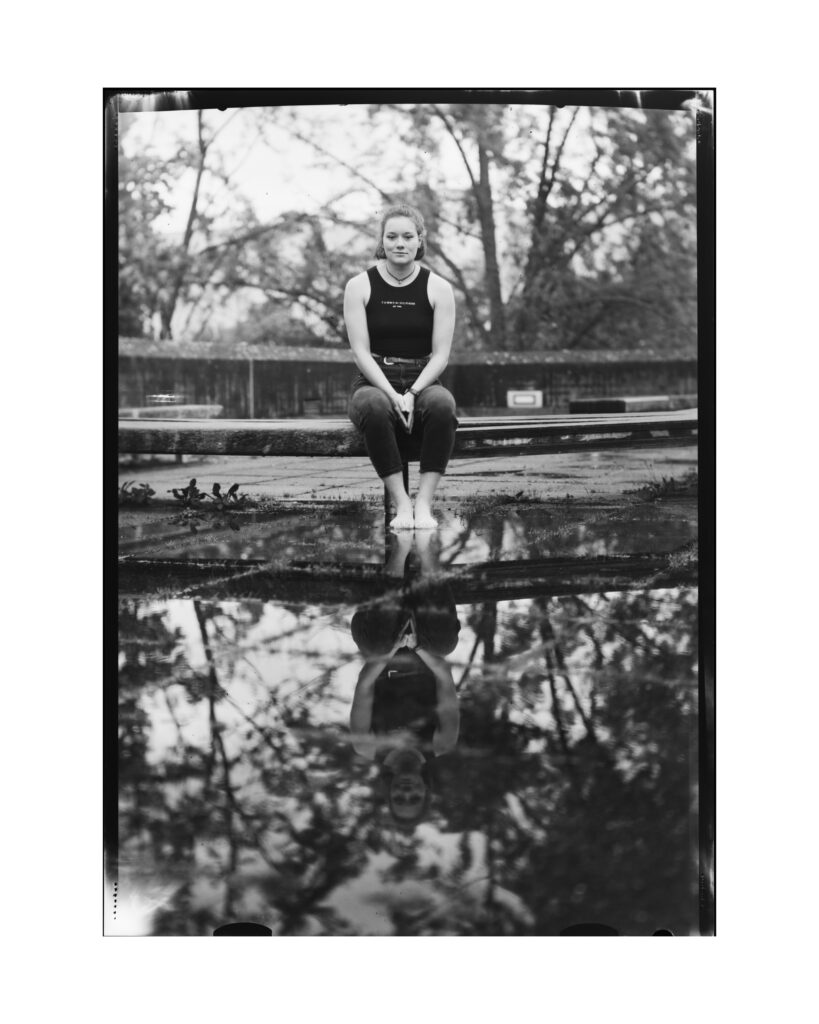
(271,388)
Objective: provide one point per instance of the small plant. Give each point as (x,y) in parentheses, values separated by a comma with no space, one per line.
(190,496)
(670,487)
(135,494)
(231,499)
(686,557)
(197,515)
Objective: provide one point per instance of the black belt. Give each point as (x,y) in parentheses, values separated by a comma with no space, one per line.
(400,361)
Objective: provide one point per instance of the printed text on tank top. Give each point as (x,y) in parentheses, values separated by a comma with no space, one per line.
(399,317)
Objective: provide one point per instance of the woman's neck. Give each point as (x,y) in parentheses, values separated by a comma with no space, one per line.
(399,274)
(406,754)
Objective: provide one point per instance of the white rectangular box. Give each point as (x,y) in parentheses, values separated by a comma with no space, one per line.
(524,399)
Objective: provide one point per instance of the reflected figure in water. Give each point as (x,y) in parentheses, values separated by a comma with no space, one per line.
(405,709)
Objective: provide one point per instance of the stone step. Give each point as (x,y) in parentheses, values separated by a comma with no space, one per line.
(636,403)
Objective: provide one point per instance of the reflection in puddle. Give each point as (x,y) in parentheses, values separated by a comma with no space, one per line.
(405,708)
(353,533)
(409,766)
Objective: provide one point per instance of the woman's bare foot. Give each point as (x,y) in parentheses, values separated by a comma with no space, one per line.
(424,519)
(401,502)
(400,547)
(424,540)
(403,516)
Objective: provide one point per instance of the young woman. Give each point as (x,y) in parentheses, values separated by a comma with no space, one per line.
(400,319)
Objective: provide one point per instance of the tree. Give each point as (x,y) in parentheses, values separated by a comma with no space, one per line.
(564,204)
(161,271)
(559,228)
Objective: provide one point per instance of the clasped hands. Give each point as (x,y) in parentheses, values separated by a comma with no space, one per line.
(405,407)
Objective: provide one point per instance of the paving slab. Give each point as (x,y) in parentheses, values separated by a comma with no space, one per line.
(577,474)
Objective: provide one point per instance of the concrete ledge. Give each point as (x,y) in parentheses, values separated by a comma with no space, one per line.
(339,438)
(171,412)
(638,403)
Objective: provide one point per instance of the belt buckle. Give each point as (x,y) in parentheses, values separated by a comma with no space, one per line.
(387,361)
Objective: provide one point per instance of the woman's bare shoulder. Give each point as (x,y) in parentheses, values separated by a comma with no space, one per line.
(358,285)
(438,287)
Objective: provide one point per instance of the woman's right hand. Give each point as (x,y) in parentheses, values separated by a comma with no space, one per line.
(402,407)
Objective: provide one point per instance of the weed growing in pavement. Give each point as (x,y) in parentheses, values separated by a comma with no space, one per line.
(192,497)
(220,513)
(135,494)
(685,557)
(670,487)
(231,499)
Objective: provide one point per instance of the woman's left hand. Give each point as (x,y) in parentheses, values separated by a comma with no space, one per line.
(409,405)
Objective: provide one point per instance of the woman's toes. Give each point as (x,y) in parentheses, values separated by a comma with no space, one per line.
(403,521)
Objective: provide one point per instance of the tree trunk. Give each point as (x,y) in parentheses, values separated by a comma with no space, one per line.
(168,307)
(486,216)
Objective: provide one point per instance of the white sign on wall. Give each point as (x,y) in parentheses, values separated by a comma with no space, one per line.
(524,399)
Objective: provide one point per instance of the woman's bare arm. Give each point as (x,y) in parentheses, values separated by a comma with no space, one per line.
(356,295)
(361,712)
(443,305)
(449,712)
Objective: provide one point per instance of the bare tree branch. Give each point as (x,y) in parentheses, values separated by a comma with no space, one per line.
(440,114)
(304,298)
(559,154)
(223,125)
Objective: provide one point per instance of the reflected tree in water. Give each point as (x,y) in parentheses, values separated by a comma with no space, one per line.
(569,796)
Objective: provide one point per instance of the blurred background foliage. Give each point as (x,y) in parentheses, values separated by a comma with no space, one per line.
(559,228)
(570,797)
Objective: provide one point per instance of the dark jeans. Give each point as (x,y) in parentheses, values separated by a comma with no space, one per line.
(377,628)
(388,444)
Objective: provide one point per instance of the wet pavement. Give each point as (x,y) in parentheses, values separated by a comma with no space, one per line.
(579,474)
(491,729)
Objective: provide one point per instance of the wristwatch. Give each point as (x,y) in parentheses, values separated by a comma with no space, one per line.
(413,392)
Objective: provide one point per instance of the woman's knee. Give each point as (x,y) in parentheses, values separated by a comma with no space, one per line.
(370,405)
(438,403)
(439,634)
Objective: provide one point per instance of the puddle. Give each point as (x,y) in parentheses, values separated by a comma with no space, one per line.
(353,532)
(528,766)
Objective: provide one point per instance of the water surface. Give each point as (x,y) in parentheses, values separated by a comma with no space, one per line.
(568,796)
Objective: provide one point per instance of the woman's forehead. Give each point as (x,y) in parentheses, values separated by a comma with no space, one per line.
(399,224)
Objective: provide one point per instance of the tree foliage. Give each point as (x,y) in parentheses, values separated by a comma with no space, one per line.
(559,228)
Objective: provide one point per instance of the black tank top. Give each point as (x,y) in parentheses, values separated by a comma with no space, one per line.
(405,698)
(400,318)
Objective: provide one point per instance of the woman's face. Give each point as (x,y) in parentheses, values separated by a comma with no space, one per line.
(407,793)
(400,240)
